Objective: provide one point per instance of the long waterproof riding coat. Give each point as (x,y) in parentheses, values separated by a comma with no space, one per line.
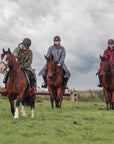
(110,53)
(58,53)
(24,58)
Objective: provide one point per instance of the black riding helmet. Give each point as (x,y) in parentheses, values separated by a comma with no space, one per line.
(26,42)
(110,41)
(57,38)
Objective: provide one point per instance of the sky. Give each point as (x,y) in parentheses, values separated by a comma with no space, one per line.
(84,27)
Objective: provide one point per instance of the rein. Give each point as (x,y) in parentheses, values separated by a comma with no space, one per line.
(54,72)
(106,74)
(6,66)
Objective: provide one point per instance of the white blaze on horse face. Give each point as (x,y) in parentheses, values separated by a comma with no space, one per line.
(3,64)
(32,113)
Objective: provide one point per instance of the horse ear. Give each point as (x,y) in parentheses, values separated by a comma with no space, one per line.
(46,57)
(9,51)
(100,57)
(51,57)
(3,50)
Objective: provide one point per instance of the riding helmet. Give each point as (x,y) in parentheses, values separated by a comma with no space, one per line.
(57,38)
(26,42)
(110,41)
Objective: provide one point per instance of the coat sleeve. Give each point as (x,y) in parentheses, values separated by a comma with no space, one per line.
(16,52)
(62,58)
(49,52)
(29,61)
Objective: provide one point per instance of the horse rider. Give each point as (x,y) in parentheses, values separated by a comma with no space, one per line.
(24,57)
(109,52)
(58,53)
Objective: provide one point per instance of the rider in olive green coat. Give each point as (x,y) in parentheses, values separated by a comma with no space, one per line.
(24,57)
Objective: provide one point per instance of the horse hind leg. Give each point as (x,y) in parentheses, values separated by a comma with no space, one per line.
(57,102)
(12,108)
(51,99)
(33,106)
(16,116)
(23,110)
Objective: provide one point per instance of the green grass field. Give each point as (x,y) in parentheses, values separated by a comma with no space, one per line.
(75,123)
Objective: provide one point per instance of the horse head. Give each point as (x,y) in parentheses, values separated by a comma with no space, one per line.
(105,65)
(6,58)
(51,66)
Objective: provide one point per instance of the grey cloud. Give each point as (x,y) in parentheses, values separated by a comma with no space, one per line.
(84,27)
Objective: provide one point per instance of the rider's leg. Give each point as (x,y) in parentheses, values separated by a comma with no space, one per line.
(44,85)
(32,83)
(100,80)
(4,91)
(65,80)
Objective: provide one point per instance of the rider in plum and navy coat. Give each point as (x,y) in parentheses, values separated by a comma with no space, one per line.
(58,53)
(109,52)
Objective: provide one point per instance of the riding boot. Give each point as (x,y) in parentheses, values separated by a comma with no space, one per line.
(44,85)
(100,80)
(33,89)
(3,91)
(6,78)
(32,84)
(65,80)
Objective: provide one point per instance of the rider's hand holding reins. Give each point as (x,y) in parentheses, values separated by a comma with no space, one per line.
(59,65)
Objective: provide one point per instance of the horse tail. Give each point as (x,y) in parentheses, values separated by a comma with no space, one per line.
(27,100)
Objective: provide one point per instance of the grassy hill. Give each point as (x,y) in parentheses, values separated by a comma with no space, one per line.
(75,123)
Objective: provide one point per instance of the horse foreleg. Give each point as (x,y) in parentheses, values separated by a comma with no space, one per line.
(12,107)
(106,97)
(33,106)
(61,96)
(17,109)
(23,110)
(51,92)
(51,99)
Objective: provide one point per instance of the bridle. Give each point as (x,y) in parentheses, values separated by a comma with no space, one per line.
(54,72)
(106,71)
(6,65)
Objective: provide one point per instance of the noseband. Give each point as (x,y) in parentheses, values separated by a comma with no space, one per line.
(106,72)
(6,65)
(54,72)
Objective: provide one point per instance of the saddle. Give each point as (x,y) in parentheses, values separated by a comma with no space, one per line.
(26,72)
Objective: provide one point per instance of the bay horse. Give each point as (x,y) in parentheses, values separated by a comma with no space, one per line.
(17,85)
(107,74)
(54,82)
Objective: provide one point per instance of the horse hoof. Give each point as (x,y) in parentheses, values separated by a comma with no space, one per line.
(15,117)
(24,115)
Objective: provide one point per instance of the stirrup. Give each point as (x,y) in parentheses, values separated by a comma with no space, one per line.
(32,91)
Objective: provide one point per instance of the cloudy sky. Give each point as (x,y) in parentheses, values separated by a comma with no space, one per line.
(84,27)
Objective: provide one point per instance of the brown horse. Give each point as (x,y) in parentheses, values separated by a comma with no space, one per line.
(17,85)
(107,74)
(54,82)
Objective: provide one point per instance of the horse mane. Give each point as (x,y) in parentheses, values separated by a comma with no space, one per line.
(104,59)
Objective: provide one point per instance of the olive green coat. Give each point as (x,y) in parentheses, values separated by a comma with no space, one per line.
(24,58)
